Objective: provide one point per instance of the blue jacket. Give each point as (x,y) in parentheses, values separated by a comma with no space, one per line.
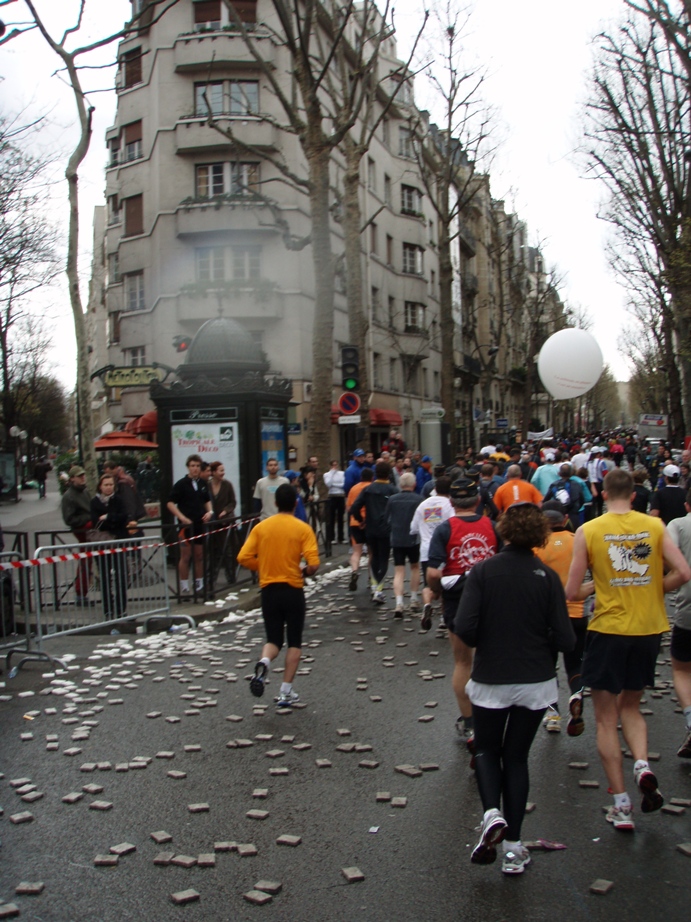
(353,475)
(421,478)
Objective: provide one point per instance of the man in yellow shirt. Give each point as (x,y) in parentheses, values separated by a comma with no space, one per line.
(276,547)
(627,552)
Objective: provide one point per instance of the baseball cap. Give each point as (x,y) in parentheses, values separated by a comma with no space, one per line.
(358,453)
(553,510)
(425,458)
(77,471)
(671,470)
(463,488)
(291,475)
(549,456)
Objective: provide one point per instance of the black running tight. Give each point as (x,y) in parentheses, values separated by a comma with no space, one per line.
(378,550)
(573,661)
(503,738)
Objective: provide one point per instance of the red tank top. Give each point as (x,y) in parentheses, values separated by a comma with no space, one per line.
(469,543)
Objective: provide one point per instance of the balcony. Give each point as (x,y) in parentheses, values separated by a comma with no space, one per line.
(224,215)
(256,301)
(414,343)
(209,52)
(194,135)
(469,285)
(466,240)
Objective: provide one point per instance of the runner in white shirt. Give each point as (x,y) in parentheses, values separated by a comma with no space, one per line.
(429,514)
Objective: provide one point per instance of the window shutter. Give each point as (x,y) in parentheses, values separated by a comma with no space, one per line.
(133,132)
(133,67)
(207,11)
(246,10)
(134,215)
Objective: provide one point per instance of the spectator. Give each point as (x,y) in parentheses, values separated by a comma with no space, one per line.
(265,488)
(190,503)
(334,481)
(76,513)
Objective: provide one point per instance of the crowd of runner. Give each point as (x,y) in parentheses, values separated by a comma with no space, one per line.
(579,547)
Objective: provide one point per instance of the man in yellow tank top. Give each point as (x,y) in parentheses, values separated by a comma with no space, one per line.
(627,553)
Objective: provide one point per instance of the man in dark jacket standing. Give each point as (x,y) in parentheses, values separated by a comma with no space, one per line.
(375,500)
(400,510)
(76,514)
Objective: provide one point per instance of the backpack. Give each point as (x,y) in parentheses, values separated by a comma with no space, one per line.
(563,491)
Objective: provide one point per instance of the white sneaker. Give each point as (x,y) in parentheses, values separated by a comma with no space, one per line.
(552,721)
(492,831)
(621,818)
(515,861)
(287,699)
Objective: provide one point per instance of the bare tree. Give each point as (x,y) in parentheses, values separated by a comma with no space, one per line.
(27,257)
(73,65)
(637,144)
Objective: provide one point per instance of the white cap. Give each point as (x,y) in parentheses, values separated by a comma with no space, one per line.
(670,470)
(549,455)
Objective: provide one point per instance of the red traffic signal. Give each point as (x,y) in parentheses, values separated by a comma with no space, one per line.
(182,343)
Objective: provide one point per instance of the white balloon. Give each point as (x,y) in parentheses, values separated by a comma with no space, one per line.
(570,363)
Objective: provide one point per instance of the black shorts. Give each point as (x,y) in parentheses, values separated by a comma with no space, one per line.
(188,531)
(283,609)
(449,607)
(620,662)
(401,554)
(681,644)
(357,534)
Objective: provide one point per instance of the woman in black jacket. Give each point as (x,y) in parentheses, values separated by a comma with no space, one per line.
(513,611)
(109,516)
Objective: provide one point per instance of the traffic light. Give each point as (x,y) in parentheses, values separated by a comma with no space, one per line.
(350,368)
(182,343)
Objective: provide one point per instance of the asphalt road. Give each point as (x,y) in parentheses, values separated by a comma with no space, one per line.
(415,859)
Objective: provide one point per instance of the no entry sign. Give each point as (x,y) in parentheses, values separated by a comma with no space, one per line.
(348,403)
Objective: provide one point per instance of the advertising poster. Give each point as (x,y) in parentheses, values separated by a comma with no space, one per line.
(273,445)
(213,440)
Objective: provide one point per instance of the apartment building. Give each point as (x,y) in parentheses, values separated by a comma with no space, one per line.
(194,229)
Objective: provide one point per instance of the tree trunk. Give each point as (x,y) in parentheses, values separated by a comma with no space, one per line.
(446,329)
(322,334)
(355,294)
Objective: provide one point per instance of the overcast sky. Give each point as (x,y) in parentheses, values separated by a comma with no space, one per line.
(538,55)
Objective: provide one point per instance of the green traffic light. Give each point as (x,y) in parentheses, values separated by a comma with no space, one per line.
(350,384)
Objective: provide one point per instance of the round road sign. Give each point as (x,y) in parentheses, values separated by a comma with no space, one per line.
(348,403)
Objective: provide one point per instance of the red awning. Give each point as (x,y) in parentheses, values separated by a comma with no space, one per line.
(385,417)
(143,425)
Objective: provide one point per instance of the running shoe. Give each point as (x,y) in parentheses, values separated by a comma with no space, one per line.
(258,680)
(684,751)
(647,784)
(492,831)
(352,585)
(287,699)
(426,621)
(621,818)
(576,724)
(552,721)
(398,612)
(414,605)
(378,598)
(515,861)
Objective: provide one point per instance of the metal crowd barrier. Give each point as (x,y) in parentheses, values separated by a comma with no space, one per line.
(15,603)
(77,595)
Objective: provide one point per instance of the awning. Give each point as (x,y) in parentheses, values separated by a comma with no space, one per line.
(143,425)
(389,418)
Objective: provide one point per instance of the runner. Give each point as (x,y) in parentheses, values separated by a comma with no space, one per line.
(626,552)
(405,545)
(429,514)
(374,501)
(456,546)
(513,677)
(668,502)
(515,490)
(275,547)
(357,530)
(680,533)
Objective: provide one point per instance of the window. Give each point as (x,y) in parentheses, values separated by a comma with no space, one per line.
(387,189)
(113,210)
(244,178)
(411,200)
(405,142)
(376,370)
(246,10)
(386,132)
(134,291)
(389,250)
(208,98)
(425,382)
(207,14)
(132,67)
(246,262)
(244,97)
(412,259)
(376,302)
(136,356)
(210,264)
(113,328)
(114,151)
(373,238)
(393,374)
(371,175)
(133,141)
(403,88)
(134,215)
(432,283)
(414,317)
(392,311)
(209,180)
(114,269)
